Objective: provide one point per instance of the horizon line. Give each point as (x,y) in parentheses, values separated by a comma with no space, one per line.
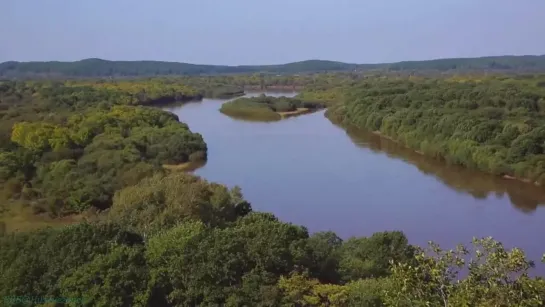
(280,64)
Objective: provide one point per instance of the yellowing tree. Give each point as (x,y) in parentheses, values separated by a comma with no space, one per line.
(301,290)
(34,136)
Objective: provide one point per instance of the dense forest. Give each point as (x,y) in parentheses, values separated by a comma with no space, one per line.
(177,240)
(492,124)
(105,68)
(65,148)
(267,108)
(257,81)
(169,238)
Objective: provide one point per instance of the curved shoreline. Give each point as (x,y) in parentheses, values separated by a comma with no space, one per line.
(382,135)
(185,167)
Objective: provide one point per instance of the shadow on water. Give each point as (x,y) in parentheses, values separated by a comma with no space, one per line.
(525,197)
(239,118)
(178,104)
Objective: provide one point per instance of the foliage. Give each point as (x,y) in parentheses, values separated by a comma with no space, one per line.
(371,257)
(265,107)
(160,202)
(325,247)
(72,145)
(100,68)
(494,124)
(211,252)
(368,292)
(495,277)
(117,278)
(244,261)
(301,290)
(174,239)
(143,91)
(37,262)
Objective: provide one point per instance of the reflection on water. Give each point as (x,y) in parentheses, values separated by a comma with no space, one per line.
(308,171)
(525,197)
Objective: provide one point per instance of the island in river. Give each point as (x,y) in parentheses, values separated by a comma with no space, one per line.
(268,108)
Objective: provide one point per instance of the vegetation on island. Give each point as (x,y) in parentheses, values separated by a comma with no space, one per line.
(104,68)
(267,108)
(493,124)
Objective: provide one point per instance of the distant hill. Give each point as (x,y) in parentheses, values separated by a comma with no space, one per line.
(105,68)
(507,62)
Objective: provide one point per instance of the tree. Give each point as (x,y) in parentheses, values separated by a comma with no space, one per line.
(496,277)
(35,262)
(243,261)
(325,247)
(298,289)
(33,136)
(118,278)
(368,292)
(371,257)
(163,201)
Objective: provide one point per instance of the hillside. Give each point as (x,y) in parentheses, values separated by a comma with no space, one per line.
(105,68)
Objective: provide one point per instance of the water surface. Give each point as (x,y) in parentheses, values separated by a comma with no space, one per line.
(310,172)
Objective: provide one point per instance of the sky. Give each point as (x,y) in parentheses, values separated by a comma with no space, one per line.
(249,32)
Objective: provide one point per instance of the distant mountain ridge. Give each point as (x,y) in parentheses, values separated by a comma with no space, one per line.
(94,67)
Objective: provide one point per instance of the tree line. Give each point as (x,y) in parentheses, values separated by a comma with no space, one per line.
(104,68)
(494,124)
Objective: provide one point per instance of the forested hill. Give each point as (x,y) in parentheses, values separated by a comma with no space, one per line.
(105,68)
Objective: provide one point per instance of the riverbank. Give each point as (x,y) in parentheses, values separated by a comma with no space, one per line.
(299,111)
(369,185)
(287,88)
(185,167)
(495,126)
(442,159)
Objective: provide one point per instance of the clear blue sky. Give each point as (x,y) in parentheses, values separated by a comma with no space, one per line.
(267,32)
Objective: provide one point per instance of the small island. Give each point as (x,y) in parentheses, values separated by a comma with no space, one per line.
(267,108)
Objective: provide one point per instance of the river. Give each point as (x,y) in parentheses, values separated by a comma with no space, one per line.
(310,172)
